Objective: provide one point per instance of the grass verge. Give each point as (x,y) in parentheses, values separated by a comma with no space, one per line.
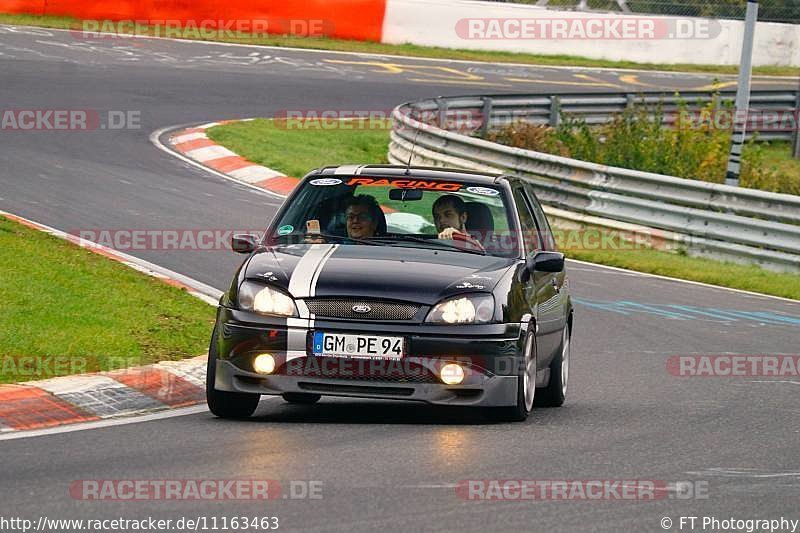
(67,310)
(694,147)
(296,151)
(322,43)
(294,148)
(778,158)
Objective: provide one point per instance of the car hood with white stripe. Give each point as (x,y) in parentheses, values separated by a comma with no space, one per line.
(420,275)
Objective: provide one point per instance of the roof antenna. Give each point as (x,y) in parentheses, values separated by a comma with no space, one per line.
(411,154)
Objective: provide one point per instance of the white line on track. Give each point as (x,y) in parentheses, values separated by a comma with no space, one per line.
(112,422)
(625,271)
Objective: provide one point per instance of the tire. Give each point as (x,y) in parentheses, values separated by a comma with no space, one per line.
(555,393)
(526,386)
(301,398)
(226,404)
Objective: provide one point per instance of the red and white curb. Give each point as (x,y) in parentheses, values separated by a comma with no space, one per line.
(194,144)
(94,397)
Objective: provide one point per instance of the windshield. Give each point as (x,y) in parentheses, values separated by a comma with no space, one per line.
(412,212)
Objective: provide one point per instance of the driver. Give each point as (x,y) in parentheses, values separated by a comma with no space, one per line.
(450,216)
(364,217)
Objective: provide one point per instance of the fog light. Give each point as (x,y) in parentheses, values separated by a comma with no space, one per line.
(264,364)
(452,374)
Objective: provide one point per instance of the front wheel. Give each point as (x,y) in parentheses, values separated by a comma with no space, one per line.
(226,404)
(555,393)
(526,386)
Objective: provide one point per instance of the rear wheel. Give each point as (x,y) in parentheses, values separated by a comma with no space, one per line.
(526,386)
(555,393)
(301,397)
(226,404)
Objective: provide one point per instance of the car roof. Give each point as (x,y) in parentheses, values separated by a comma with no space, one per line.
(402,171)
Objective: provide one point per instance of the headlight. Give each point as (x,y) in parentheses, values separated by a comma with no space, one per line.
(464,309)
(265,300)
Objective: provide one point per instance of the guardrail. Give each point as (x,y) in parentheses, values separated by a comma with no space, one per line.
(744,225)
(773,113)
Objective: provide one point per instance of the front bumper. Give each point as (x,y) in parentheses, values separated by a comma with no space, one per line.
(490,353)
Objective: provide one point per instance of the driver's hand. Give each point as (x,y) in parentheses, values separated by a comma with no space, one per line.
(313,238)
(455,235)
(448,233)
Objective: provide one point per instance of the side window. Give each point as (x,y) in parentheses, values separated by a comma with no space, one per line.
(541,220)
(530,235)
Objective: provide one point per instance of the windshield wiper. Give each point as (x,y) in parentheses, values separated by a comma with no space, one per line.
(412,238)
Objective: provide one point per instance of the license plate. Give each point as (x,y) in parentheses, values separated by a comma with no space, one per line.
(369,346)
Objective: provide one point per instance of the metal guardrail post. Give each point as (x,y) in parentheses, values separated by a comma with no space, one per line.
(630,100)
(441,104)
(486,115)
(796,134)
(555,111)
(742,96)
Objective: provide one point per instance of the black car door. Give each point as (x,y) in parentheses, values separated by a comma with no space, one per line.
(541,290)
(560,278)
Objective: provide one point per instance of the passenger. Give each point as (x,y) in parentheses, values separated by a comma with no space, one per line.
(450,216)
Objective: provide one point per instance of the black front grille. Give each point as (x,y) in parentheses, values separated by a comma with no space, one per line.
(355,389)
(378,310)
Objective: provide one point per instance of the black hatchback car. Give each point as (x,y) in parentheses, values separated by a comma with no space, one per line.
(379,281)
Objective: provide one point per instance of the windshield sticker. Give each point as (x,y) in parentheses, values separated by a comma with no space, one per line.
(484,191)
(407,184)
(285,230)
(324,182)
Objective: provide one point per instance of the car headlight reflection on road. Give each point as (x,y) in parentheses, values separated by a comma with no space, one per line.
(463,309)
(265,300)
(264,363)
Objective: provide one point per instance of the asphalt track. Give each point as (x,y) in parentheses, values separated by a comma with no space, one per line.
(384,465)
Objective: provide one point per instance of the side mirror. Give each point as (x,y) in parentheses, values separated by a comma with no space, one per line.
(545,262)
(244,243)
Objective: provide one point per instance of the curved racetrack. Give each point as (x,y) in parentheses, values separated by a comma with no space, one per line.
(384,465)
